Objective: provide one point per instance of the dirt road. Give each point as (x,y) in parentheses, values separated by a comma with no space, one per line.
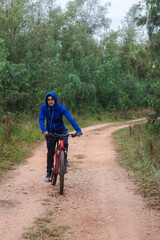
(99,200)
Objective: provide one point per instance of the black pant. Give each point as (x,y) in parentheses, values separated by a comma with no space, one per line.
(51,143)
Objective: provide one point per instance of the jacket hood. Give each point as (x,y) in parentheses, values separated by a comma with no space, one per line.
(53,95)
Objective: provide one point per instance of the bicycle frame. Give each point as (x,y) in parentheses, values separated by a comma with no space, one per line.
(59,148)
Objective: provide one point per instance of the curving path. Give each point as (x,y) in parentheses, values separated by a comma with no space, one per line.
(99,201)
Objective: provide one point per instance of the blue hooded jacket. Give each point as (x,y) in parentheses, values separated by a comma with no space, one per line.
(53,116)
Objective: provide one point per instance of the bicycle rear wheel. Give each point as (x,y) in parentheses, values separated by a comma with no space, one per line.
(62,170)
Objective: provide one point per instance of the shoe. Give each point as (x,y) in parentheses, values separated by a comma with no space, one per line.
(68,164)
(47,178)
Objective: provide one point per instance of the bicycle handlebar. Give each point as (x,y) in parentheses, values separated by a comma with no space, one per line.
(62,135)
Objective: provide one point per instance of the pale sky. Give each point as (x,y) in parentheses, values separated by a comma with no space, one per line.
(117,11)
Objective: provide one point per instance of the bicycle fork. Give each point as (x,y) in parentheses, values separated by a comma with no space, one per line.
(58,155)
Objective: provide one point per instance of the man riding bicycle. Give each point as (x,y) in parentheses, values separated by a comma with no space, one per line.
(52,112)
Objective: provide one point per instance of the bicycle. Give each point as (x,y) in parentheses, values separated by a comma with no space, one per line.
(60,162)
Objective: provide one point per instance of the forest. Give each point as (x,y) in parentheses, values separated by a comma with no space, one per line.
(75,53)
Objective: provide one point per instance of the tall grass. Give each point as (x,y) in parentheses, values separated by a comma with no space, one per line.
(17,146)
(140,152)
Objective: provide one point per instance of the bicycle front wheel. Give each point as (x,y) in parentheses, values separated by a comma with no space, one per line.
(53,178)
(61,177)
(54,175)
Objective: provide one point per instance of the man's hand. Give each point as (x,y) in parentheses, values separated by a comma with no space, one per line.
(79,134)
(45,133)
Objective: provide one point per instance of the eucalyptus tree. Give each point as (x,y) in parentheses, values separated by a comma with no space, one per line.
(124,66)
(150,17)
(13,24)
(133,40)
(150,10)
(79,48)
(84,19)
(135,56)
(14,83)
(90,13)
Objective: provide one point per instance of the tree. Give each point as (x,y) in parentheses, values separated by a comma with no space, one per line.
(150,17)
(89,13)
(14,23)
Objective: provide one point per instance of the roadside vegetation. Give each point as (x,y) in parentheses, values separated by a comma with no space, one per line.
(17,141)
(139,148)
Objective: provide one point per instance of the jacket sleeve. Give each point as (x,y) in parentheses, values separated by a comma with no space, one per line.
(42,116)
(71,120)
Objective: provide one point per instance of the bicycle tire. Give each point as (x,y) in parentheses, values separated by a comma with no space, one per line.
(62,170)
(53,178)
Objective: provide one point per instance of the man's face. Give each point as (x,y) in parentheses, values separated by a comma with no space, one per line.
(50,101)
